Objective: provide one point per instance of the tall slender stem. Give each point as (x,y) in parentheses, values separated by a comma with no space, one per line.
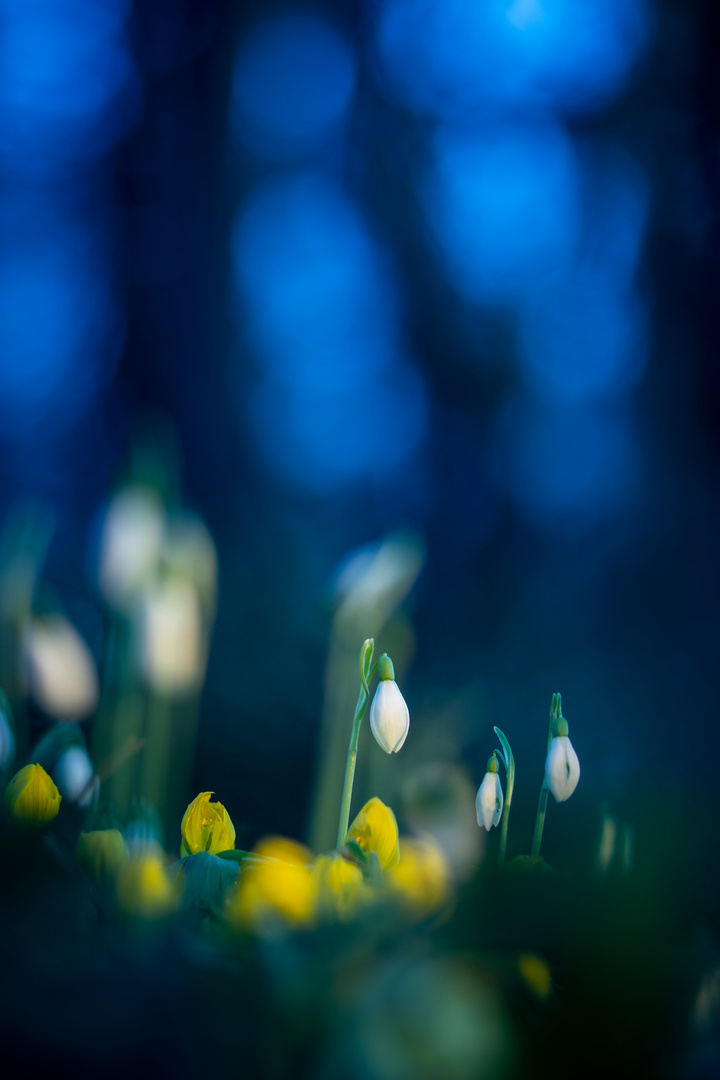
(350,767)
(540,820)
(366,653)
(555,714)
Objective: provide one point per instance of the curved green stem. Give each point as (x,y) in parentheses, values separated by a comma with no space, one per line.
(509,763)
(362,703)
(555,714)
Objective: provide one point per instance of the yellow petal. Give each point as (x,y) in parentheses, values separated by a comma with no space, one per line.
(421,879)
(339,886)
(31,797)
(278,887)
(144,887)
(375,829)
(206,826)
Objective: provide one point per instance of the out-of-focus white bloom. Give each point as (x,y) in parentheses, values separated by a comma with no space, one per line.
(174,651)
(377,578)
(562,768)
(61,671)
(389,715)
(189,552)
(130,546)
(75,776)
(489,800)
(7,741)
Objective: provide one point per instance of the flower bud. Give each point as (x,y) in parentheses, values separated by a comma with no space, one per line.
(339,886)
(174,650)
(276,890)
(144,886)
(206,826)
(130,546)
(101,853)
(75,777)
(389,715)
(31,797)
(375,829)
(562,768)
(489,800)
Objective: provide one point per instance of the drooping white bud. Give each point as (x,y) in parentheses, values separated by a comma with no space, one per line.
(489,800)
(562,768)
(389,715)
(75,776)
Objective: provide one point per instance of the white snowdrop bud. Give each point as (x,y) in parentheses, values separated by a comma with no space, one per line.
(389,715)
(489,800)
(562,767)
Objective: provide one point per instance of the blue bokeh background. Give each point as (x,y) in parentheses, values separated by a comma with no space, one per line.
(430,265)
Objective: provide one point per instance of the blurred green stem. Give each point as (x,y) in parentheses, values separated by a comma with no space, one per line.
(555,714)
(362,703)
(509,762)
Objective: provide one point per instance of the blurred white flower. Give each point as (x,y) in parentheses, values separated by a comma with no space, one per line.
(75,776)
(61,671)
(389,716)
(562,768)
(130,546)
(174,651)
(489,801)
(375,579)
(7,741)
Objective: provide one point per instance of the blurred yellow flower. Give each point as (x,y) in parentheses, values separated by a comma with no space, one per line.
(535,973)
(375,829)
(144,887)
(422,878)
(31,797)
(339,886)
(101,853)
(206,826)
(277,887)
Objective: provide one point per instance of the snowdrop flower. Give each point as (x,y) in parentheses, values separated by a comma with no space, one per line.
(130,545)
(389,715)
(489,801)
(562,768)
(75,776)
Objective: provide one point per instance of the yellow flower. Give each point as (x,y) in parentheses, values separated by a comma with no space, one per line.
(536,975)
(375,829)
(206,826)
(339,886)
(278,887)
(421,879)
(101,853)
(144,887)
(31,797)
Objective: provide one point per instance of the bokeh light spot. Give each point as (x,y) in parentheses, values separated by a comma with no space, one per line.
(293,83)
(335,399)
(503,204)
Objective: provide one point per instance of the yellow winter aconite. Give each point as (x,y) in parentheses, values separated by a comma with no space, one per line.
(144,887)
(375,829)
(421,880)
(31,797)
(206,826)
(339,887)
(101,853)
(278,886)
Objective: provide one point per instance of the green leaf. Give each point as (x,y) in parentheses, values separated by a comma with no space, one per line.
(58,738)
(234,855)
(508,759)
(356,851)
(206,880)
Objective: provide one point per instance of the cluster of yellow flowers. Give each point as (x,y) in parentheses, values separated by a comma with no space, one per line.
(280,882)
(283,883)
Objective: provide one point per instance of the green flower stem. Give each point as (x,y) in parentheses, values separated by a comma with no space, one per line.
(540,820)
(555,714)
(509,763)
(362,703)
